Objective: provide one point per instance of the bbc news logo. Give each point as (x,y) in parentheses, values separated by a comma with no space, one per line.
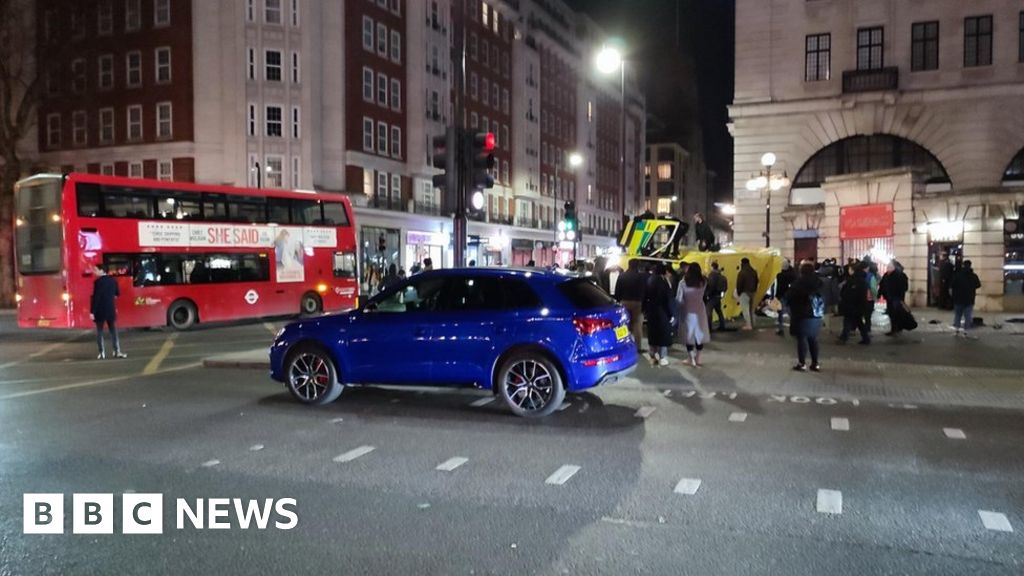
(144,514)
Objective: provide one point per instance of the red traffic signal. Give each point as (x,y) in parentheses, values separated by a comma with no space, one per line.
(490,142)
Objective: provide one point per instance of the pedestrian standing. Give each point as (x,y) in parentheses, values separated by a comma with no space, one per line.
(946,274)
(853,301)
(783,280)
(717,286)
(746,291)
(103,310)
(893,288)
(629,290)
(658,309)
(806,313)
(428,264)
(871,273)
(390,278)
(692,315)
(964,291)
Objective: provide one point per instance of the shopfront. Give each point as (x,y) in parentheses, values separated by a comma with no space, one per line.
(867,231)
(522,252)
(1013,265)
(380,249)
(422,245)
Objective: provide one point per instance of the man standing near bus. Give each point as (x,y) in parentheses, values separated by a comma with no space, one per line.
(104,311)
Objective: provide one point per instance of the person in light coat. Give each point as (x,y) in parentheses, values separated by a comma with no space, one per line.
(692,312)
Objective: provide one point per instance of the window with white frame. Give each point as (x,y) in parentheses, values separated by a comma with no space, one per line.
(382,186)
(382,40)
(132,15)
(474,120)
(295,68)
(106,126)
(367,134)
(485,12)
(78,81)
(274,172)
(272,60)
(295,13)
(474,82)
(396,189)
(163,120)
(161,13)
(253,122)
(164,170)
(163,65)
(396,141)
(367,33)
(106,169)
(505,100)
(396,94)
(250,10)
(135,169)
(367,84)
(296,123)
(134,122)
(296,172)
(396,47)
(251,61)
(253,170)
(506,143)
(382,89)
(106,72)
(485,94)
(105,18)
(382,138)
(396,7)
(274,128)
(79,130)
(272,11)
(133,67)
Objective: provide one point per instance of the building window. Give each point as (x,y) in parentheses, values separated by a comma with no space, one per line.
(274,122)
(367,84)
(505,101)
(295,68)
(396,94)
(161,13)
(164,170)
(296,123)
(134,123)
(252,63)
(106,169)
(484,14)
(275,171)
(296,170)
(382,40)
(924,53)
(396,7)
(382,138)
(272,12)
(163,120)
(367,33)
(272,59)
(53,130)
(105,18)
(106,72)
(817,67)
(135,169)
(133,65)
(396,190)
(473,86)
(978,41)
(396,47)
(79,131)
(382,187)
(367,134)
(396,141)
(665,171)
(132,15)
(107,126)
(474,120)
(1020,40)
(506,143)
(295,13)
(78,81)
(163,65)
(251,118)
(473,46)
(382,89)
(250,10)
(870,52)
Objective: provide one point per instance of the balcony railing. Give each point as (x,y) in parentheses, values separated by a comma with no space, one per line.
(432,208)
(871,80)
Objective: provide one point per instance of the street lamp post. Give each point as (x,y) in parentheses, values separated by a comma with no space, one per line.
(767,183)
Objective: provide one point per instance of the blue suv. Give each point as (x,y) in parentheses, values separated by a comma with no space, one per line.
(527,335)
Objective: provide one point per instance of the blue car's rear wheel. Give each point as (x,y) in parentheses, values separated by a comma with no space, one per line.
(311,375)
(530,385)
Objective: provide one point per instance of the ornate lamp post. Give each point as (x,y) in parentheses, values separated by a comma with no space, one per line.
(766,182)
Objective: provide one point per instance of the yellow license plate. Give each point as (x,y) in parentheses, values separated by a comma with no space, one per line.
(43,322)
(621,333)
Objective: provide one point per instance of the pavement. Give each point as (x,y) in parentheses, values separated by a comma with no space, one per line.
(673,473)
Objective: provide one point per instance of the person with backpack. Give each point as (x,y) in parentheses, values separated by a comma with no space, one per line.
(964,291)
(718,285)
(806,312)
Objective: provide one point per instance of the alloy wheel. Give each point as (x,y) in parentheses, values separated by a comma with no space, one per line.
(309,376)
(529,385)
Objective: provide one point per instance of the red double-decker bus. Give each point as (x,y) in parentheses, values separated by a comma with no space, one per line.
(181,253)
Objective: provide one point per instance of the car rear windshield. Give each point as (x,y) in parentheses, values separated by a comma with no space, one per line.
(584,294)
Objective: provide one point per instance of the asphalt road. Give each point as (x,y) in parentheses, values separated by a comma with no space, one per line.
(658,475)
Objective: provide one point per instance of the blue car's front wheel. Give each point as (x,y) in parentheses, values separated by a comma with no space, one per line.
(530,384)
(311,375)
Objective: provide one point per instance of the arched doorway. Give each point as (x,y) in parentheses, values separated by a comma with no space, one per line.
(860,154)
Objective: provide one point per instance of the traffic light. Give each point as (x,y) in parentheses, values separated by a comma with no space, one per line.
(481,163)
(443,153)
(569,227)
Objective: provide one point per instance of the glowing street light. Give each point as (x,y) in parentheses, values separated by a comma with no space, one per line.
(575,160)
(767,183)
(608,60)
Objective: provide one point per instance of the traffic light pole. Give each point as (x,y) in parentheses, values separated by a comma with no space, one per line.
(460,225)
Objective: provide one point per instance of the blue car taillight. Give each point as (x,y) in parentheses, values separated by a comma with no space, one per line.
(587,326)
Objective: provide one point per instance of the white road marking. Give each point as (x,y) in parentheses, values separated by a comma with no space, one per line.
(644,411)
(451,464)
(256,447)
(337,420)
(210,463)
(354,453)
(482,402)
(562,475)
(42,351)
(738,417)
(995,521)
(667,393)
(687,486)
(564,406)
(96,382)
(270,327)
(154,364)
(830,501)
(954,433)
(841,424)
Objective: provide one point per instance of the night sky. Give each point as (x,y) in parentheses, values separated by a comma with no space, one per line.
(671,57)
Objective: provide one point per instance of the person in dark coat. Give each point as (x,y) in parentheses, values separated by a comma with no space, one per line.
(853,302)
(806,313)
(783,280)
(718,285)
(659,306)
(946,274)
(389,279)
(103,310)
(629,290)
(705,236)
(964,290)
(746,291)
(893,288)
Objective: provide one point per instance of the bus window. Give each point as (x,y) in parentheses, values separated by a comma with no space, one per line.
(125,203)
(215,207)
(344,265)
(88,199)
(278,210)
(117,264)
(178,206)
(305,212)
(334,214)
(38,231)
(249,210)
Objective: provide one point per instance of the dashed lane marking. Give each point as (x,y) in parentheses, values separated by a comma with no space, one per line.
(644,411)
(255,447)
(562,475)
(99,382)
(154,363)
(451,464)
(354,453)
(738,417)
(830,502)
(42,351)
(954,433)
(210,463)
(687,486)
(841,424)
(479,403)
(996,521)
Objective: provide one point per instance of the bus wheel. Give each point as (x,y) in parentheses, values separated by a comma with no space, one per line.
(182,315)
(310,304)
